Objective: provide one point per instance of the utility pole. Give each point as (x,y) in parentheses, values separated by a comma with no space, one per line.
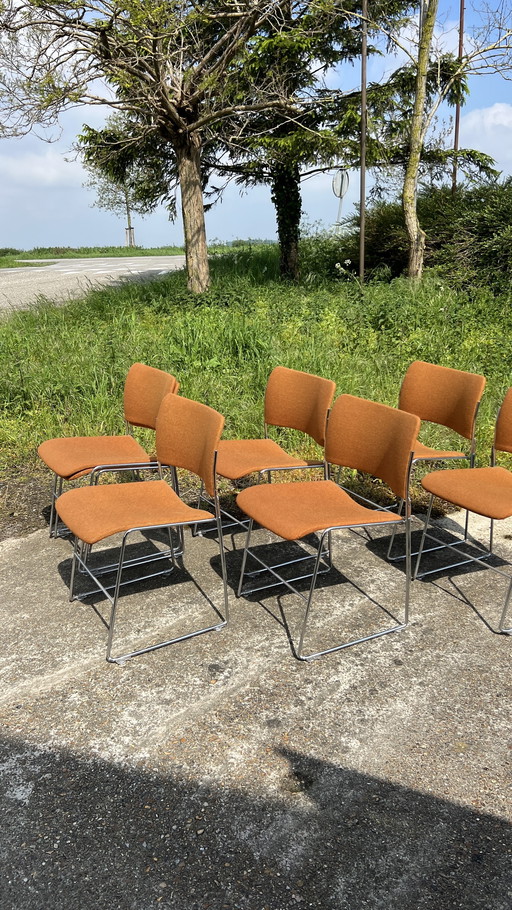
(364,118)
(457,105)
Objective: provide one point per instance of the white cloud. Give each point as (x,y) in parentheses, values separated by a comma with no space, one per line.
(489,130)
(488,119)
(45,168)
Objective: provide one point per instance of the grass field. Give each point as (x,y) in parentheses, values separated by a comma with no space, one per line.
(62,368)
(20,258)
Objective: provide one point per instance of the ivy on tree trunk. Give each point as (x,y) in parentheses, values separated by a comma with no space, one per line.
(285,194)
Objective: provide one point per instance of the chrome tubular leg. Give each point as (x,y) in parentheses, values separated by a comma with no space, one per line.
(424,534)
(73,568)
(393,534)
(407,563)
(52,505)
(223,569)
(502,628)
(310,596)
(491,535)
(328,557)
(54,515)
(115,597)
(244,558)
(466,526)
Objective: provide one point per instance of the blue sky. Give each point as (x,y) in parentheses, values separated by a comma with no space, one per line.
(43,202)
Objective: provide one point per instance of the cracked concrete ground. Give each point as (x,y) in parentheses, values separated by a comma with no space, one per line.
(223,773)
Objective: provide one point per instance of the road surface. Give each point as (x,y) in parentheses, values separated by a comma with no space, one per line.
(61,280)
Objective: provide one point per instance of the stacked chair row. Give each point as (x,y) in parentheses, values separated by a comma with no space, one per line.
(354,433)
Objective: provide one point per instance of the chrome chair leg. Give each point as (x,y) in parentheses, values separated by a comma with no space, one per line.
(423,535)
(54,517)
(506,631)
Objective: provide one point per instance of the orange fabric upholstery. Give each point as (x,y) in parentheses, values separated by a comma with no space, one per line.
(293,399)
(361,434)
(94,513)
(293,510)
(299,401)
(178,441)
(187,436)
(426,453)
(503,436)
(72,457)
(442,395)
(239,457)
(372,438)
(486,491)
(144,390)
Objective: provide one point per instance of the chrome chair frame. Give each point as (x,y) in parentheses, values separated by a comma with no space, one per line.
(81,561)
(58,480)
(470,456)
(324,547)
(456,547)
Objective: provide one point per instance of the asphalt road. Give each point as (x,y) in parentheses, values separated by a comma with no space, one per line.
(63,279)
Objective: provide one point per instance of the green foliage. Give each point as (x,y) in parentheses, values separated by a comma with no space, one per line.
(91,252)
(128,165)
(62,369)
(468,235)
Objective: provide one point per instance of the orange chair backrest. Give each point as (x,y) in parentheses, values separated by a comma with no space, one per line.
(144,390)
(442,395)
(503,432)
(299,401)
(372,438)
(187,436)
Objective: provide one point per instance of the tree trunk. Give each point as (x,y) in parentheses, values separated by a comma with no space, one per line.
(410,191)
(288,204)
(188,156)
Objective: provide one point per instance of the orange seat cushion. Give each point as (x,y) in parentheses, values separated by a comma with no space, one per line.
(96,512)
(71,457)
(421,451)
(486,491)
(238,457)
(293,510)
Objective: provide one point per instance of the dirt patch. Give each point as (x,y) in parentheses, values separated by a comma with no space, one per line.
(24,503)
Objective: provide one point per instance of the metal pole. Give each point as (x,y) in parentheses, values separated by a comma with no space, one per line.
(457,106)
(362,191)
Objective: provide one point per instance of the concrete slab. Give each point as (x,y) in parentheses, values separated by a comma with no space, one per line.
(223,773)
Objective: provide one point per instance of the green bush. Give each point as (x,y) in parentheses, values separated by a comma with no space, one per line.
(468,242)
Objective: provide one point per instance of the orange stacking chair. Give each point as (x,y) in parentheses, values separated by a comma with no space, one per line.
(293,399)
(73,457)
(372,438)
(484,491)
(447,397)
(187,436)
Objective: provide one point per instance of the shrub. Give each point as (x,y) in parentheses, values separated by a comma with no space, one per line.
(469,235)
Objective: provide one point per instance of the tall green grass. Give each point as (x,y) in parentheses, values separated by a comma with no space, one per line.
(62,369)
